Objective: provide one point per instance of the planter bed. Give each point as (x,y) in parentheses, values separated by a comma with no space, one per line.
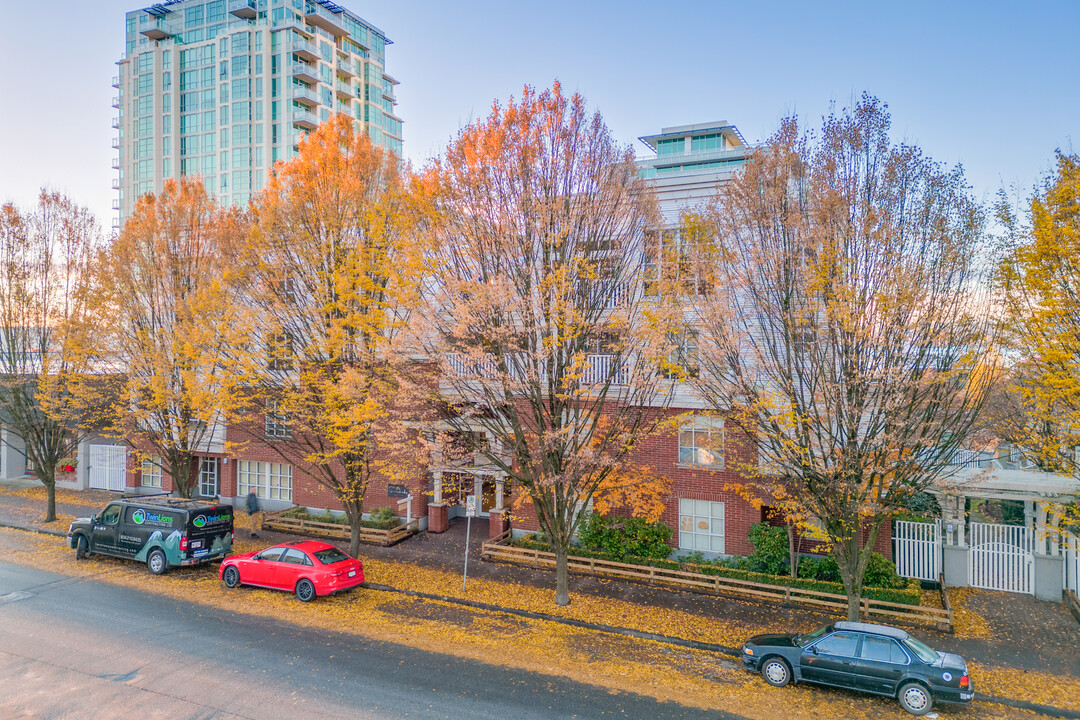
(730,581)
(278,522)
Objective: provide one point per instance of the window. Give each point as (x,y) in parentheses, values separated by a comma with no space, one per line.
(273,553)
(701,525)
(269,480)
(882,649)
(702,443)
(682,360)
(151,471)
(707,143)
(667,260)
(208,477)
(277,423)
(111,516)
(294,556)
(839,645)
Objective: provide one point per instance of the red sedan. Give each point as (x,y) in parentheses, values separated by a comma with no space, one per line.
(305,567)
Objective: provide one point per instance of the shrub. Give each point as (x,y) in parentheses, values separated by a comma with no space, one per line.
(819,568)
(623,538)
(881,573)
(770,553)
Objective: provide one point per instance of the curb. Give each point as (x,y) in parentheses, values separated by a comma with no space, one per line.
(40,531)
(1048,710)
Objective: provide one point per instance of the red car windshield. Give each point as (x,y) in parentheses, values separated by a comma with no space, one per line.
(330,556)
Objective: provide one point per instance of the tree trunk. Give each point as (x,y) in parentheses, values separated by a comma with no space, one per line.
(849,559)
(50,487)
(793,550)
(356,516)
(562,581)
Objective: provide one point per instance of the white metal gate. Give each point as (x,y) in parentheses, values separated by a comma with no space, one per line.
(917,549)
(1072,564)
(108,467)
(1000,558)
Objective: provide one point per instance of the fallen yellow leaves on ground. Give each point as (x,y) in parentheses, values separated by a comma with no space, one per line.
(1037,687)
(967,622)
(616,663)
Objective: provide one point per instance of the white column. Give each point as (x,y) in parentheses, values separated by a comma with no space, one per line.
(500,483)
(438,486)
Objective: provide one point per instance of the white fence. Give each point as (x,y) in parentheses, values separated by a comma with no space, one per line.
(1072,564)
(917,549)
(1001,558)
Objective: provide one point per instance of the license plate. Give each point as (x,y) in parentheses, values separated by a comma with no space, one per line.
(966,696)
(352,573)
(196,544)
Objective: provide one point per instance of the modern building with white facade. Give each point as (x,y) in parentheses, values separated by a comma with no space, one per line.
(224,89)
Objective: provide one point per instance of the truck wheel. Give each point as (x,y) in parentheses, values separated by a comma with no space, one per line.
(776,672)
(305,591)
(915,698)
(82,549)
(231,577)
(156,562)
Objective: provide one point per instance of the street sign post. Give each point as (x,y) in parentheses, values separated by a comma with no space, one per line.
(472,509)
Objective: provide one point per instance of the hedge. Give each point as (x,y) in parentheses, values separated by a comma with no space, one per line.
(910,595)
(379,520)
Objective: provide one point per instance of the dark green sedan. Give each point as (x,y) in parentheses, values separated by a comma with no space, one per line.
(863,656)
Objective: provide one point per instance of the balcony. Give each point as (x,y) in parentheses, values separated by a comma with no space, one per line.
(115,204)
(319,16)
(307,73)
(116,142)
(116,223)
(344,90)
(116,101)
(303,118)
(304,95)
(116,184)
(116,163)
(158,29)
(243,8)
(304,48)
(345,67)
(116,81)
(601,368)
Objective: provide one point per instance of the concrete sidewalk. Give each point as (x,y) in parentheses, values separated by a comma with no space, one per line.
(1025,633)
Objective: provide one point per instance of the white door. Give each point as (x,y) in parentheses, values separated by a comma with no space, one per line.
(108,467)
(1072,564)
(1001,558)
(917,549)
(208,477)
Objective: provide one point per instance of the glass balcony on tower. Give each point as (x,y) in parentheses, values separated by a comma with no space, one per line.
(243,8)
(307,73)
(320,16)
(302,47)
(303,118)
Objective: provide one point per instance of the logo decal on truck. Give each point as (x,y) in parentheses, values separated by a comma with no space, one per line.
(203,520)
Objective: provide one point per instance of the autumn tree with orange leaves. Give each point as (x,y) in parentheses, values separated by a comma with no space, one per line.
(533,314)
(846,331)
(333,274)
(170,324)
(46,395)
(1040,281)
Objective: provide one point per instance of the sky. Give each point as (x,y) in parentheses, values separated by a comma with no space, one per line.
(991,85)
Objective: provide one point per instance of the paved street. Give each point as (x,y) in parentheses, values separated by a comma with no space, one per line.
(78,648)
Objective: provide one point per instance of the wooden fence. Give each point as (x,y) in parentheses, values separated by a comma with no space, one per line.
(299,526)
(940,619)
(1072,604)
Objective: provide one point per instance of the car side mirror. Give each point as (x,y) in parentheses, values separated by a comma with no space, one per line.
(813,649)
(93,519)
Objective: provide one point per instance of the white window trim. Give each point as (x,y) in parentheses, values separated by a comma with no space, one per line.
(270,480)
(151,471)
(692,513)
(712,426)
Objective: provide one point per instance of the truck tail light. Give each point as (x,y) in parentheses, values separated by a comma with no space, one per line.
(965,681)
(232,537)
(183,543)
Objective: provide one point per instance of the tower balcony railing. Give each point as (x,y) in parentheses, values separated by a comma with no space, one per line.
(303,118)
(302,47)
(243,8)
(305,72)
(304,95)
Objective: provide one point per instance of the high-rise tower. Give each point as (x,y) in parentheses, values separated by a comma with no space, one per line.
(224,89)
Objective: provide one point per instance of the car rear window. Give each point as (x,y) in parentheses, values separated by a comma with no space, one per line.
(330,556)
